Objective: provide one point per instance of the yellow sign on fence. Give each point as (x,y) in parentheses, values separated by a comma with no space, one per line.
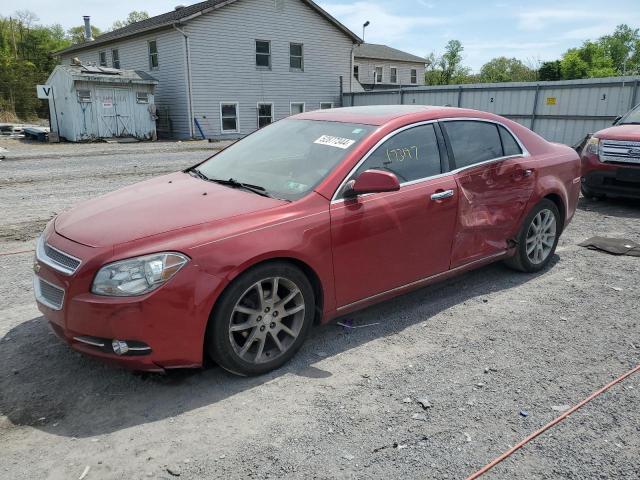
(551,100)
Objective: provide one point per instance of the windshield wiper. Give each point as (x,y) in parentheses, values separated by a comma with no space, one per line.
(246,186)
(629,123)
(194,172)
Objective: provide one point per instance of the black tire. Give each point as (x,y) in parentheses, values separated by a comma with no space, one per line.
(521,261)
(221,342)
(590,194)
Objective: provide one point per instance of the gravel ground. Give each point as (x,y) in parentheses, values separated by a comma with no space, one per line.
(481,349)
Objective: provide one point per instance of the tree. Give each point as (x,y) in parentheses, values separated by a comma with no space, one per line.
(550,71)
(446,68)
(76,34)
(133,17)
(503,69)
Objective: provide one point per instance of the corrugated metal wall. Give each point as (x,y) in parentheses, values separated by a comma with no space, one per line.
(563,111)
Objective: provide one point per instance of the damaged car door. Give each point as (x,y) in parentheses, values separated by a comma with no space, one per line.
(496,178)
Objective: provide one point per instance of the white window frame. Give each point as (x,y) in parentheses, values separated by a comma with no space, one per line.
(326,103)
(113,61)
(142,97)
(100,54)
(237,105)
(258,112)
(291,104)
(295,69)
(150,55)
(356,65)
(82,98)
(255,51)
(375,74)
(411,76)
(391,80)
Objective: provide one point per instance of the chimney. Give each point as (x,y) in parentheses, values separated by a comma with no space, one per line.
(88,37)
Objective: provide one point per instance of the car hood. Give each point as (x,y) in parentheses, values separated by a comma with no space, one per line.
(156,206)
(620,132)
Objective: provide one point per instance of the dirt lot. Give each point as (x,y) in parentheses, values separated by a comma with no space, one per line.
(481,348)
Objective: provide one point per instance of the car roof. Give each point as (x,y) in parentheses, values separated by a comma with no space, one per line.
(382,114)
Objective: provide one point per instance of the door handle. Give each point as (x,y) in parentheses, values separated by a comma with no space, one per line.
(527,173)
(442,195)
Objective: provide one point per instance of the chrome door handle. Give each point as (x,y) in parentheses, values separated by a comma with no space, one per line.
(442,195)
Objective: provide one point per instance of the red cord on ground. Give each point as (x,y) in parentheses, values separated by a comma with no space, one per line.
(506,454)
(15,253)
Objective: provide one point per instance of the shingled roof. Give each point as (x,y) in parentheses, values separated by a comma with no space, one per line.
(182,15)
(383,52)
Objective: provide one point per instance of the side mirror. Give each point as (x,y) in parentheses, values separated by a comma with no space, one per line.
(618,118)
(372,181)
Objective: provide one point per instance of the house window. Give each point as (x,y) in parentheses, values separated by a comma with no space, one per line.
(296,59)
(393,76)
(263,54)
(142,97)
(153,55)
(229,117)
(356,72)
(115,58)
(265,114)
(296,107)
(84,96)
(102,59)
(414,75)
(326,105)
(378,75)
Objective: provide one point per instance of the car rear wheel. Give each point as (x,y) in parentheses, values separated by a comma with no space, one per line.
(538,238)
(262,319)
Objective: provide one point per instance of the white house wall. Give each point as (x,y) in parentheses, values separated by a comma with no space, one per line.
(134,55)
(224,69)
(367,66)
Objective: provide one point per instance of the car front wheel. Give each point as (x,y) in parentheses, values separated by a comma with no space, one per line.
(538,238)
(261,319)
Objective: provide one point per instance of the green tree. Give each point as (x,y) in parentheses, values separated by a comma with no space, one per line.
(133,17)
(550,71)
(503,69)
(573,65)
(447,68)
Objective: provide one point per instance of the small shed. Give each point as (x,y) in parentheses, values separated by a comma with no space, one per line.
(90,103)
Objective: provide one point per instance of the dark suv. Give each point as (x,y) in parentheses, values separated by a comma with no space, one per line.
(611,159)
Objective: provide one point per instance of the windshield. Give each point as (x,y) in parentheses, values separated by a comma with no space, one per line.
(288,158)
(632,117)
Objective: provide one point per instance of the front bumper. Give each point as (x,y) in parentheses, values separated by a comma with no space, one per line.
(623,182)
(165,327)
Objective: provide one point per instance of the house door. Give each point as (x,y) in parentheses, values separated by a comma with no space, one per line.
(124,119)
(106,109)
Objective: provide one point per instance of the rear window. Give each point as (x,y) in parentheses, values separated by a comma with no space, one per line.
(509,144)
(473,142)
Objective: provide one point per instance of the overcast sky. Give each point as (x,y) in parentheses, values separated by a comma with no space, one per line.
(531,30)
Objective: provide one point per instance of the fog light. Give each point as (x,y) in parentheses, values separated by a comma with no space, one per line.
(119,347)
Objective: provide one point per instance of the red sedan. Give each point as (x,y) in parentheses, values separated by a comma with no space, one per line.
(305,220)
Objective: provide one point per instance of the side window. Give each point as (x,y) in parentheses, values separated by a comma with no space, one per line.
(473,142)
(509,144)
(411,155)
(263,54)
(102,57)
(153,55)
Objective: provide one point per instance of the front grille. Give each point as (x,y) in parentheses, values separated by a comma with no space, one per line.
(48,294)
(620,151)
(56,259)
(61,258)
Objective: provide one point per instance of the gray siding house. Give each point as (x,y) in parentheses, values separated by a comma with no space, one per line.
(379,67)
(232,65)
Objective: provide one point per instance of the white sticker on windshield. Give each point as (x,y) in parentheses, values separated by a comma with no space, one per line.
(338,142)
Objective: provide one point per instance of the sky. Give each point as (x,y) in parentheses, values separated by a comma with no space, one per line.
(533,31)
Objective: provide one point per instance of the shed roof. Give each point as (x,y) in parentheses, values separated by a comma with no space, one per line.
(185,14)
(106,75)
(384,52)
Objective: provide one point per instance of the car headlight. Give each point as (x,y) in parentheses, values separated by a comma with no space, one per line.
(137,276)
(592,146)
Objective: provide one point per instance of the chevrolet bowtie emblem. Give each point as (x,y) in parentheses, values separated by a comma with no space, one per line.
(36,267)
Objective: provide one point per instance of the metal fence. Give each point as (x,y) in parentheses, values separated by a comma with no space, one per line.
(563,111)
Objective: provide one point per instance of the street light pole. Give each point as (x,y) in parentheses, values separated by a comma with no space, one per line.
(366,24)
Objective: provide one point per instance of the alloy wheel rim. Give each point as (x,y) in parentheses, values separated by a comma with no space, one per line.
(541,236)
(267,320)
